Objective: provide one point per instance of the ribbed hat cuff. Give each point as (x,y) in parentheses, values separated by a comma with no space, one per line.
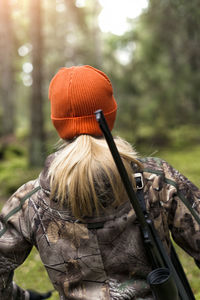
(68,128)
(83,117)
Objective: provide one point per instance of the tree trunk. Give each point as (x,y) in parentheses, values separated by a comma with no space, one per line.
(96,36)
(37,145)
(6,69)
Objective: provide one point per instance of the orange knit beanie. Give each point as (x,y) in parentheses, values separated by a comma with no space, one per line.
(75,94)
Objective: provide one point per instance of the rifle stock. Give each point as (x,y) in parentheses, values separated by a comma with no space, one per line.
(164,280)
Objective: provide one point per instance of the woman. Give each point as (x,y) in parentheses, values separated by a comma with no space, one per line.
(77,213)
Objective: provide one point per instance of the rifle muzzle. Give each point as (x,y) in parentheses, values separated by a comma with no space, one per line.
(162,284)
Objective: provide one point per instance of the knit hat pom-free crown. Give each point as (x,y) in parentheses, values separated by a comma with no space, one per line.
(75,94)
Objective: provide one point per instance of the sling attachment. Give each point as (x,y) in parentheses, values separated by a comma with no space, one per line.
(139,186)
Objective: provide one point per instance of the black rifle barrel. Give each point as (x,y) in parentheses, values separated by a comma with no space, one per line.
(153,253)
(120,166)
(158,255)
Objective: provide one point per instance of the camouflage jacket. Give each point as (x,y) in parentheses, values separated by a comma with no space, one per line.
(103,257)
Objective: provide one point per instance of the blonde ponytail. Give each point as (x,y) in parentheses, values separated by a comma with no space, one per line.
(83,175)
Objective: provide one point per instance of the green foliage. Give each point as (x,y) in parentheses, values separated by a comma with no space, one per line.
(157,90)
(184,136)
(154,67)
(191,270)
(32,275)
(184,160)
(14,169)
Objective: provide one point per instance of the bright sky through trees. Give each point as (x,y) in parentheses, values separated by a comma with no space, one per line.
(114,14)
(113,17)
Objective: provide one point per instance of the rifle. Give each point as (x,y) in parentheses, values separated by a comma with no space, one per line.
(165,281)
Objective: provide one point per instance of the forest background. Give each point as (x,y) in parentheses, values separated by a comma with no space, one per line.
(154,68)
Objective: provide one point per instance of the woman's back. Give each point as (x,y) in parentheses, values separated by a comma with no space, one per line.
(77,212)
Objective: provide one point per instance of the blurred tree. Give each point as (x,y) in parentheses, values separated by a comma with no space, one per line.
(37,137)
(118,62)
(78,15)
(157,71)
(72,35)
(95,46)
(6,70)
(154,67)
(83,25)
(169,59)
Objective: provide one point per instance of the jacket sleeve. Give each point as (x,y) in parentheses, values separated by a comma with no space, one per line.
(183,212)
(15,241)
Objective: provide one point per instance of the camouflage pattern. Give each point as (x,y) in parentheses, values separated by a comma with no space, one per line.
(102,257)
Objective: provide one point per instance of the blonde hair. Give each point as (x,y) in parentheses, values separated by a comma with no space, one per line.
(83,174)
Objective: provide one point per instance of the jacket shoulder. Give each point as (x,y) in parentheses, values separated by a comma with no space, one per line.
(153,165)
